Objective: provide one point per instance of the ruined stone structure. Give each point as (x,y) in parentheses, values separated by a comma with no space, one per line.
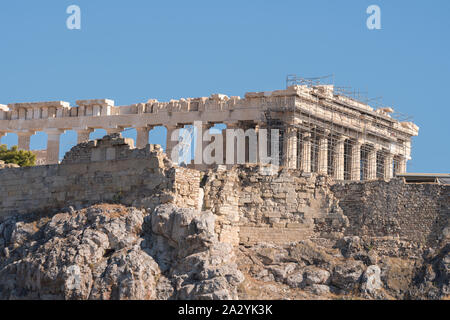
(129,224)
(251,203)
(107,170)
(321,130)
(120,220)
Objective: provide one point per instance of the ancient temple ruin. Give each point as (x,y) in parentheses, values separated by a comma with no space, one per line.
(322,129)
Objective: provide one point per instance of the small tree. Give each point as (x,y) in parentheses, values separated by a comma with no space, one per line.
(22,158)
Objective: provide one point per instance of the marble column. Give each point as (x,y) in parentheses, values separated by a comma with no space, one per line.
(224,140)
(290,147)
(339,156)
(388,166)
(83,135)
(401,164)
(206,127)
(24,140)
(253,150)
(250,148)
(200,128)
(142,137)
(355,171)
(53,146)
(201,142)
(323,154)
(232,145)
(305,164)
(170,144)
(372,164)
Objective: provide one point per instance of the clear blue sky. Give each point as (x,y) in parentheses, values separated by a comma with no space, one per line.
(131,51)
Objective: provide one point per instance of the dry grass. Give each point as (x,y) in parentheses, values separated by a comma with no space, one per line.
(111,210)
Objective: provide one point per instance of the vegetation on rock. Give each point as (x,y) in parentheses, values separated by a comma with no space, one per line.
(22,158)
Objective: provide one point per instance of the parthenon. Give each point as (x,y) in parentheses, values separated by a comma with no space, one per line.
(321,130)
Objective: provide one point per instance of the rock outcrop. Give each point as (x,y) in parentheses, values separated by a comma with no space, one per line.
(350,268)
(4,165)
(115,252)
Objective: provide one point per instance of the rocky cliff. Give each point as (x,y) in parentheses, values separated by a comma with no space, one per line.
(116,252)
(134,226)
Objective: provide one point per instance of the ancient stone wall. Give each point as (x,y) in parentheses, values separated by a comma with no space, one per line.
(262,205)
(221,195)
(107,170)
(251,203)
(418,212)
(286,206)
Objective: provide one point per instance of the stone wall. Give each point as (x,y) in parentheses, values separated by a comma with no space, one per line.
(281,206)
(418,212)
(221,190)
(262,205)
(251,203)
(107,170)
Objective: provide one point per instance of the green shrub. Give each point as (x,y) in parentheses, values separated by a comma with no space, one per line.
(22,158)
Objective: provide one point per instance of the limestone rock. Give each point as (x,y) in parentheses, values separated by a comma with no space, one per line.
(314,275)
(311,254)
(371,281)
(318,289)
(295,280)
(4,165)
(115,252)
(347,276)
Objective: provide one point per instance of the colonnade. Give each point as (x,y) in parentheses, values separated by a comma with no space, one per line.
(308,150)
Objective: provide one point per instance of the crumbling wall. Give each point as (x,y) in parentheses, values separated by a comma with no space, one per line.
(221,196)
(263,205)
(107,170)
(417,212)
(252,203)
(279,206)
(112,147)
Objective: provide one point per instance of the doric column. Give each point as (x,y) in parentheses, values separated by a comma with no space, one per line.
(231,144)
(305,164)
(24,140)
(339,156)
(290,147)
(388,166)
(96,110)
(142,136)
(247,146)
(83,135)
(53,146)
(200,128)
(372,164)
(206,127)
(253,149)
(170,145)
(323,154)
(224,140)
(401,164)
(355,171)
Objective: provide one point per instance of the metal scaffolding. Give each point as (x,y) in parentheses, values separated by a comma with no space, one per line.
(318,126)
